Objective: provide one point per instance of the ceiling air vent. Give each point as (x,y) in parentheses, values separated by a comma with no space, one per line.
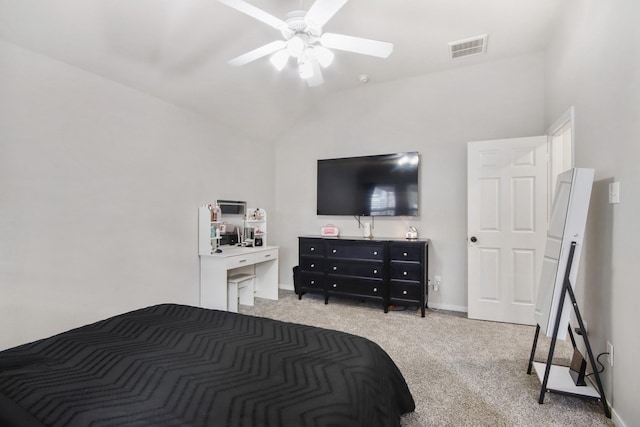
(466,47)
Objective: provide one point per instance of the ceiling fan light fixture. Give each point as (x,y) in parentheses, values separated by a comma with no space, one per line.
(295,46)
(304,39)
(323,55)
(280,59)
(305,68)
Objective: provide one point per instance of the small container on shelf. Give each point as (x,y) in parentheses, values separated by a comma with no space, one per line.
(215,230)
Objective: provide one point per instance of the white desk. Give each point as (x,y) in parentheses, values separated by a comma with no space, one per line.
(215,268)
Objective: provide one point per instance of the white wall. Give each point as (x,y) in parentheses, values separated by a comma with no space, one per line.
(435,114)
(594,65)
(99,189)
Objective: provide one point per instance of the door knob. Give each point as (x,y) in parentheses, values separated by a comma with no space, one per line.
(473,239)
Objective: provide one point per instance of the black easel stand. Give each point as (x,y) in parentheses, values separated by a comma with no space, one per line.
(566,284)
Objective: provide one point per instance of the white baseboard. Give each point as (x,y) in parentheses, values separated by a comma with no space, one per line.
(617,421)
(286,286)
(450,307)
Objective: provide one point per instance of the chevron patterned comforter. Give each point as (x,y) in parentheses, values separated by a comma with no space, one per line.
(175,365)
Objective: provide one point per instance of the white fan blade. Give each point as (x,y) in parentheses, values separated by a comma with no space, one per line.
(316,79)
(254,12)
(357,45)
(321,11)
(258,53)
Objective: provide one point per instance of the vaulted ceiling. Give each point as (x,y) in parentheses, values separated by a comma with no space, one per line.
(177,50)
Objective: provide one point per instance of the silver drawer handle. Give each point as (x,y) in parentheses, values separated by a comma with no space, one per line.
(404,292)
(335,286)
(375,252)
(243,260)
(405,254)
(313,265)
(334,251)
(267,255)
(375,289)
(404,274)
(375,271)
(313,249)
(335,268)
(313,282)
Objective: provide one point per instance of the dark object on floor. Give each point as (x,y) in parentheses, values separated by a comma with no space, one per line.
(578,368)
(296,280)
(175,365)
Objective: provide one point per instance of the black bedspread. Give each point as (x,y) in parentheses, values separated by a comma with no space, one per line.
(174,365)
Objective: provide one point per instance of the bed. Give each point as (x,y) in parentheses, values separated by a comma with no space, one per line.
(176,365)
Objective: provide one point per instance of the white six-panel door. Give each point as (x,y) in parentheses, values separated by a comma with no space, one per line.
(507,225)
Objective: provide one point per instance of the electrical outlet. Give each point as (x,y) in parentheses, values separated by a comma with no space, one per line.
(437,281)
(610,351)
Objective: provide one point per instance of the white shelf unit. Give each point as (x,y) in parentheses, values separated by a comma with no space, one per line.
(560,381)
(207,242)
(256,218)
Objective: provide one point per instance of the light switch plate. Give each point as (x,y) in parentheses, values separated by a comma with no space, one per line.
(614,192)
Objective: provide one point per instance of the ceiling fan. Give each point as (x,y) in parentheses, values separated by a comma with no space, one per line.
(304,40)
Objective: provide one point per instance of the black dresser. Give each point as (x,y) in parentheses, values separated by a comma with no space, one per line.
(385,271)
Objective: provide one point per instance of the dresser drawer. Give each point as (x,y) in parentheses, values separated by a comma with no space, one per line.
(311,247)
(373,270)
(312,264)
(406,271)
(405,291)
(312,281)
(406,252)
(348,286)
(355,251)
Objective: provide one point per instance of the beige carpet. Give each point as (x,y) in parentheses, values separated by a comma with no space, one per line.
(461,372)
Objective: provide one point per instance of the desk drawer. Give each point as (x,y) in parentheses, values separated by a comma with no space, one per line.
(251,258)
(268,255)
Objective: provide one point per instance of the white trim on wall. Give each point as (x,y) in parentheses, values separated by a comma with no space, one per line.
(567,116)
(560,146)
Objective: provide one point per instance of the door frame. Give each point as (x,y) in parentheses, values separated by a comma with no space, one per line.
(558,160)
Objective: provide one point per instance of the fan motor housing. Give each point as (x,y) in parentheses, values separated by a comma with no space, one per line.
(296,25)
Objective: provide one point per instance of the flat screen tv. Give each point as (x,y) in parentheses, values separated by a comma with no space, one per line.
(382,185)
